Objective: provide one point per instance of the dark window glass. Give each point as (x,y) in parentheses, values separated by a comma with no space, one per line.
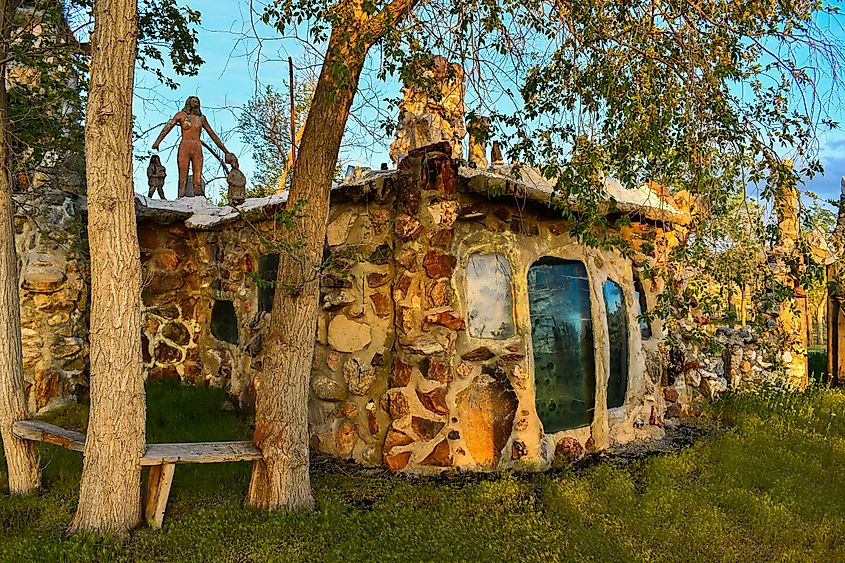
(642,308)
(268,265)
(224,322)
(489,299)
(617,332)
(562,341)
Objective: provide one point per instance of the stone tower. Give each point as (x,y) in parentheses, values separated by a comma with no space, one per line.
(432,110)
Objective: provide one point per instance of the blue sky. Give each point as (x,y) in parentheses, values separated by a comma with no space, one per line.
(234,66)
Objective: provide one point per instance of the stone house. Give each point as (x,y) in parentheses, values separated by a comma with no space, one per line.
(462,326)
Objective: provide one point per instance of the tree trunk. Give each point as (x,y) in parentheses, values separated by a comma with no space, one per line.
(21,458)
(281,432)
(110,492)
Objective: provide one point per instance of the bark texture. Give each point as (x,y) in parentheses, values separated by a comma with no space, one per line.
(21,458)
(281,479)
(110,491)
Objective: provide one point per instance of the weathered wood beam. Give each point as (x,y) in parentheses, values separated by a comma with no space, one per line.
(38,431)
(159,482)
(203,452)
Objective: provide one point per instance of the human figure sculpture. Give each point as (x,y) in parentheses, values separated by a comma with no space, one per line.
(156,172)
(236,180)
(192,122)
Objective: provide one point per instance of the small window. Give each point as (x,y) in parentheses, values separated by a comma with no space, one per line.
(642,309)
(617,332)
(562,343)
(489,297)
(224,322)
(268,265)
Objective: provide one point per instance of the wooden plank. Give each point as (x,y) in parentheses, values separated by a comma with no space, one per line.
(159,482)
(35,430)
(202,452)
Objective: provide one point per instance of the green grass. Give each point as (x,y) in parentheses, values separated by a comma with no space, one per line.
(765,485)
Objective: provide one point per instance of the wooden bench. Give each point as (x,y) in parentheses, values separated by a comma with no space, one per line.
(161,458)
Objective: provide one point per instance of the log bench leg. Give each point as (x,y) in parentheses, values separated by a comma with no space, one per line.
(158,490)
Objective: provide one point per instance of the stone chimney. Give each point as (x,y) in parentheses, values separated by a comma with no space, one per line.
(432,110)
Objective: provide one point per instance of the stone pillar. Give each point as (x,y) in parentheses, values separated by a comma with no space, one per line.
(432,110)
(836,291)
(426,323)
(479,131)
(791,320)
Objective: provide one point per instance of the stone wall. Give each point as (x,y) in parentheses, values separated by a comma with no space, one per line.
(737,359)
(186,273)
(53,296)
(397,375)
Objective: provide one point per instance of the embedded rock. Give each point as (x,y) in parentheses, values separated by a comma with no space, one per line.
(359,378)
(345,438)
(407,227)
(436,369)
(445,317)
(44,273)
(327,389)
(434,400)
(440,456)
(401,373)
(346,335)
(568,450)
(337,298)
(486,410)
(396,404)
(377,279)
(397,462)
(478,355)
(176,333)
(426,429)
(396,438)
(439,265)
(337,231)
(382,305)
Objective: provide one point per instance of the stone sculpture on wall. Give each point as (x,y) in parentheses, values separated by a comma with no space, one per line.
(193,123)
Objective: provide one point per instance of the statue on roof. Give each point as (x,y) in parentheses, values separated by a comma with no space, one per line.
(236,181)
(193,123)
(156,173)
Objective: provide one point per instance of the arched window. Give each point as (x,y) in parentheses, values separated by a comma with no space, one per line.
(642,308)
(224,322)
(268,265)
(562,342)
(489,297)
(617,333)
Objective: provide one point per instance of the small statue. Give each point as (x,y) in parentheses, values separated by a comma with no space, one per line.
(236,181)
(156,173)
(192,122)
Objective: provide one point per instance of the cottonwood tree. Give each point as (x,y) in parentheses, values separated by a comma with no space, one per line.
(281,479)
(109,494)
(21,457)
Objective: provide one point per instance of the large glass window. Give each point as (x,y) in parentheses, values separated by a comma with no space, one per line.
(562,341)
(617,332)
(489,297)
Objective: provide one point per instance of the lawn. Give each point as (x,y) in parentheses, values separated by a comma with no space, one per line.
(765,484)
